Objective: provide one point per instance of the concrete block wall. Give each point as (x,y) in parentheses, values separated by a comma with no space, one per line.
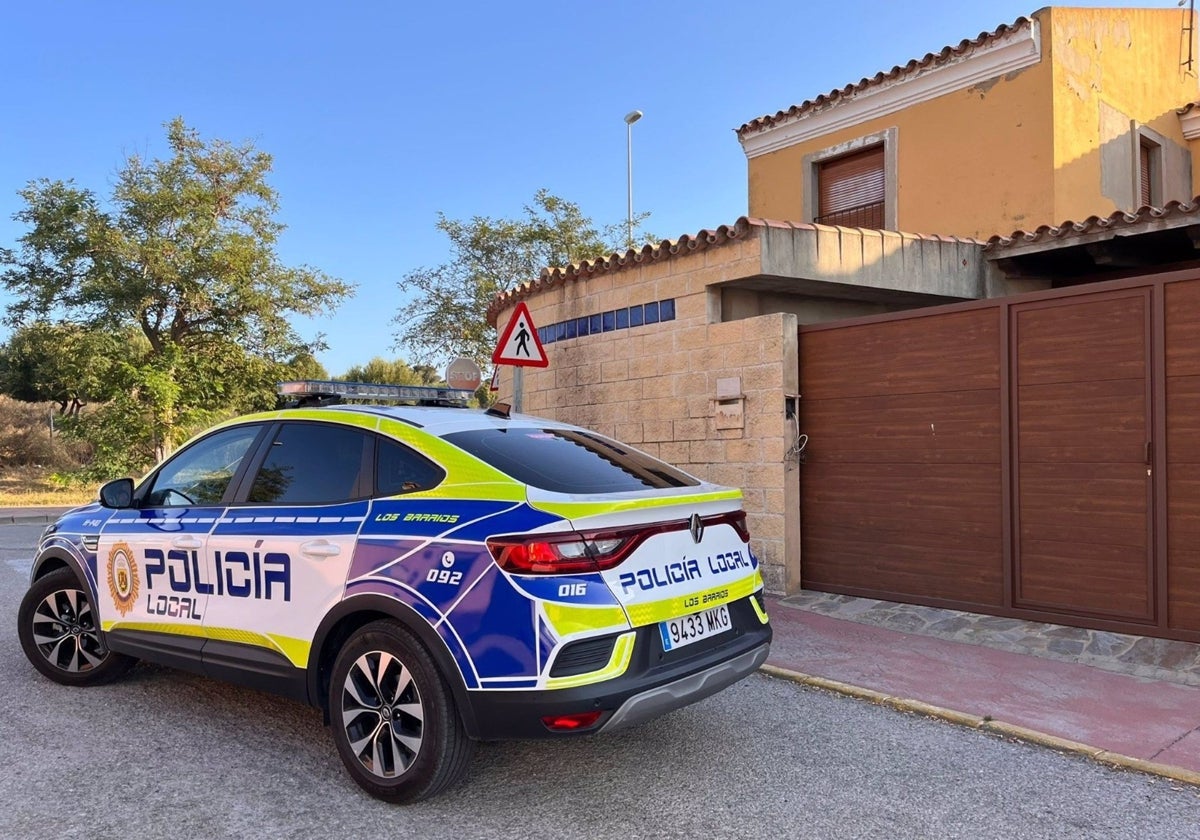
(654,386)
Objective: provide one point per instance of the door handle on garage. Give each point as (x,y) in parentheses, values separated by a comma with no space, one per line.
(320,549)
(187,542)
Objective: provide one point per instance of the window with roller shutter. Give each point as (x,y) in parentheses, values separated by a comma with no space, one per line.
(850,190)
(1149,194)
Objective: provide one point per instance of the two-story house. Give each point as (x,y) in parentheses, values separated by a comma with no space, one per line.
(949,353)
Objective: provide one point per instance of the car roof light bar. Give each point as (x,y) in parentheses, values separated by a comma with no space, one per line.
(321,391)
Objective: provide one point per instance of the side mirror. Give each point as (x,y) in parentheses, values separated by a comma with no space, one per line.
(117,494)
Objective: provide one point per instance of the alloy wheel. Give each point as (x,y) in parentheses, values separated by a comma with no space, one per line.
(382,714)
(65,632)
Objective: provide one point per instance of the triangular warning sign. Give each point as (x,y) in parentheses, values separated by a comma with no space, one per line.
(519,343)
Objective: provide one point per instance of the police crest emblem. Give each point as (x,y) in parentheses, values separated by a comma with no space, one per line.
(122,577)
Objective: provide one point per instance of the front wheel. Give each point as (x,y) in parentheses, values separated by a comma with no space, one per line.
(60,633)
(393,716)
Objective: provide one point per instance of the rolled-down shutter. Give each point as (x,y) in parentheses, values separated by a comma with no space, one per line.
(850,190)
(1146,197)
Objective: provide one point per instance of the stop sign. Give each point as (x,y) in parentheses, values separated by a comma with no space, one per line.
(463,373)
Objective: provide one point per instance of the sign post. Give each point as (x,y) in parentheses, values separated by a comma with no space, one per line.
(520,346)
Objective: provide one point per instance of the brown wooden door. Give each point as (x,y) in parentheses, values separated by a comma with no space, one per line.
(1182,437)
(1081,415)
(900,491)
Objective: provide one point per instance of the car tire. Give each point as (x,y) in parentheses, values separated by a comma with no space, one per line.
(60,633)
(393,716)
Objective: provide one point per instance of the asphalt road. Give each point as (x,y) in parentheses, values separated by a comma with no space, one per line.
(167,754)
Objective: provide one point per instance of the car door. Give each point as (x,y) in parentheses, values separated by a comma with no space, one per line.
(281,555)
(153,556)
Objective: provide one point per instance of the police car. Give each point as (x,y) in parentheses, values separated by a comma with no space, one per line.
(429,576)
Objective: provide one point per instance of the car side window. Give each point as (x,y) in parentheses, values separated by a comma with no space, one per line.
(200,474)
(311,464)
(400,470)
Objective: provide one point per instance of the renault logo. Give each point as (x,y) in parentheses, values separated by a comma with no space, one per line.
(696,526)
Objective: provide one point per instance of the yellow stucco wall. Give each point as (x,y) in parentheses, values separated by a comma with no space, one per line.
(1111,66)
(774,183)
(1022,149)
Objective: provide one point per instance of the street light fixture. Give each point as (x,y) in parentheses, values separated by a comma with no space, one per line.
(630,119)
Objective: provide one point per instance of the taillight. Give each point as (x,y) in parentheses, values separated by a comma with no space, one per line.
(590,551)
(560,554)
(737,520)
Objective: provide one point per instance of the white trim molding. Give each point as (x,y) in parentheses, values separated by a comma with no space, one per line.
(1007,53)
(1190,123)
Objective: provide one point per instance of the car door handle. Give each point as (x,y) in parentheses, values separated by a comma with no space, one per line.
(187,542)
(320,549)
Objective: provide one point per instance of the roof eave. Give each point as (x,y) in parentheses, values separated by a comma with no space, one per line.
(1171,216)
(1008,49)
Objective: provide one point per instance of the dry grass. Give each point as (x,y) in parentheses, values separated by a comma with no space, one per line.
(31,458)
(31,486)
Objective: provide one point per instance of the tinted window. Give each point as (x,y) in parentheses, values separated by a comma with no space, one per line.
(400,470)
(311,463)
(200,474)
(568,461)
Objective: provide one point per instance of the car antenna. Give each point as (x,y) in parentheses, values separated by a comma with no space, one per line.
(500,409)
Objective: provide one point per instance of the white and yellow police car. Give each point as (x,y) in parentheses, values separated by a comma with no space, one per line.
(429,576)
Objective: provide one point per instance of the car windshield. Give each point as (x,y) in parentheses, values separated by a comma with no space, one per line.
(569,461)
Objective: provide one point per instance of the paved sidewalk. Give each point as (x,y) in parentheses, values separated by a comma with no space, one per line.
(1125,718)
(1139,656)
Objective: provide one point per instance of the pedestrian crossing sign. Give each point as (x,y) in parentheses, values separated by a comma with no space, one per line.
(519,343)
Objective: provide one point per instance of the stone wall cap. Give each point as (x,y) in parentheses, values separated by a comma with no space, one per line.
(667,249)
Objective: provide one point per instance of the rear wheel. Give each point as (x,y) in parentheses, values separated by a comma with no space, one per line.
(60,633)
(393,716)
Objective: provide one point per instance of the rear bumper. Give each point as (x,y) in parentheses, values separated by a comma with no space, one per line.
(656,702)
(655,683)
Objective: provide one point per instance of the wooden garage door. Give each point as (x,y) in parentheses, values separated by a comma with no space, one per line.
(1037,456)
(1181,482)
(1082,454)
(901,484)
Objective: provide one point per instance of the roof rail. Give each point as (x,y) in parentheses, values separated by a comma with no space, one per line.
(306,393)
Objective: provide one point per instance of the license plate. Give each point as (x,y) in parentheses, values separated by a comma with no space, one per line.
(682,631)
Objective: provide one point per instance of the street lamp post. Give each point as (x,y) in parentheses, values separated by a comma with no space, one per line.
(630,119)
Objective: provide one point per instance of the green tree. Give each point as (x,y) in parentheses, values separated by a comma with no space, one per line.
(306,366)
(447,314)
(395,372)
(183,251)
(63,363)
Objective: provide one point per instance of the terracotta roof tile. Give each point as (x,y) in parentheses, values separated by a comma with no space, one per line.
(1094,224)
(551,277)
(911,68)
(665,250)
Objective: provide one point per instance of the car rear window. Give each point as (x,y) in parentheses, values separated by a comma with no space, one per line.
(567,461)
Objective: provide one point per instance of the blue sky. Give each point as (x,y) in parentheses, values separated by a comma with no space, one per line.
(379,115)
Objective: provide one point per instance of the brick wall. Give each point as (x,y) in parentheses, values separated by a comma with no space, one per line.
(654,386)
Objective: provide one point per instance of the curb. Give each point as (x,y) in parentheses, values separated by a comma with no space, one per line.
(32,515)
(996,727)
(28,519)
